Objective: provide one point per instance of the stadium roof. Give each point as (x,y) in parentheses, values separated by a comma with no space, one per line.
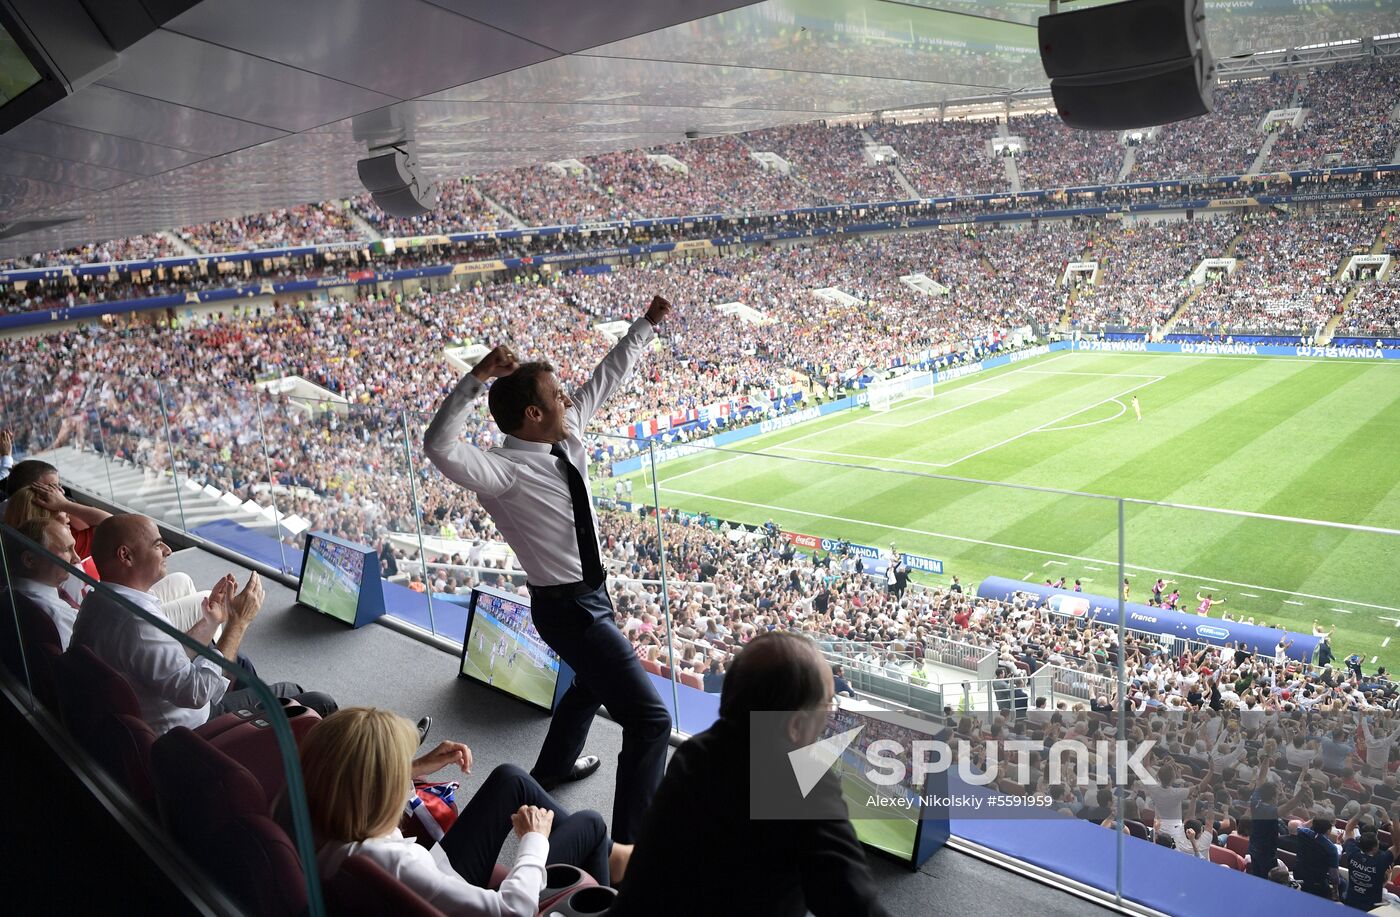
(241,106)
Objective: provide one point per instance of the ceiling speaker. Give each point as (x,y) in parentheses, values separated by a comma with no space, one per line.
(391,178)
(1133,64)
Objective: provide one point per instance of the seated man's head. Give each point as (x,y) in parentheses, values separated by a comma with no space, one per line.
(54,537)
(780,671)
(129,551)
(29,471)
(530,403)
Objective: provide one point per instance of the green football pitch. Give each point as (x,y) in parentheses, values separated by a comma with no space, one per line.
(1300,442)
(523,678)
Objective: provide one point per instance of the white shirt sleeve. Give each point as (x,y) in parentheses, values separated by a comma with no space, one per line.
(414,866)
(168,672)
(462,462)
(611,372)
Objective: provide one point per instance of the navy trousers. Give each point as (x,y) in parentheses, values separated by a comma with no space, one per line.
(474,841)
(582,631)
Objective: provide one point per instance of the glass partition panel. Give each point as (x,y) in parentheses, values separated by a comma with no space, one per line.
(114,699)
(1261,679)
(33,411)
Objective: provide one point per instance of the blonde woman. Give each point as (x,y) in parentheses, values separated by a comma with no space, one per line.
(358,766)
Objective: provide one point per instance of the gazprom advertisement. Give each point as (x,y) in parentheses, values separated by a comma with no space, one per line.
(1103,610)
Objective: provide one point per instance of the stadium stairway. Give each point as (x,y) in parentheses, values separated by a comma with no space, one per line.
(1166,328)
(1395,119)
(149,492)
(1129,160)
(515,221)
(1330,329)
(362,226)
(904,181)
(179,244)
(1265,149)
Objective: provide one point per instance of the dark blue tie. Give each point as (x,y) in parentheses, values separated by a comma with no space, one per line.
(583,520)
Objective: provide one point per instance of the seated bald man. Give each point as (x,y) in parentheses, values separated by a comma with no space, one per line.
(701,816)
(173,688)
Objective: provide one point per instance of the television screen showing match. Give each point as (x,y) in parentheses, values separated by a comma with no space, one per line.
(331,577)
(503,649)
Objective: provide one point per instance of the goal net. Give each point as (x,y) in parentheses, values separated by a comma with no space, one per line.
(886,393)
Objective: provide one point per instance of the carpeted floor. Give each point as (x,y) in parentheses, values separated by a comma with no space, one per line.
(380,667)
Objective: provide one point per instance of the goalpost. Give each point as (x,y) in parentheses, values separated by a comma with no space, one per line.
(886,393)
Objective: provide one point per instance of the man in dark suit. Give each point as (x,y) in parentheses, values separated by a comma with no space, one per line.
(701,816)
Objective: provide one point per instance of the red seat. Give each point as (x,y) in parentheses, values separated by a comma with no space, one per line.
(693,680)
(216,810)
(102,715)
(665,671)
(651,666)
(361,888)
(35,649)
(251,742)
(1223,857)
(1237,844)
(1136,828)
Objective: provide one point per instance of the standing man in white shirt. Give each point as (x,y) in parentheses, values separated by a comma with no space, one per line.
(535,486)
(173,688)
(40,580)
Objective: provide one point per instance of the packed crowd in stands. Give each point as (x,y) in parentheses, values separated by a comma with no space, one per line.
(1349,115)
(1286,278)
(1375,312)
(1056,156)
(1144,271)
(134,248)
(633,176)
(831,160)
(1224,142)
(306,224)
(540,196)
(947,157)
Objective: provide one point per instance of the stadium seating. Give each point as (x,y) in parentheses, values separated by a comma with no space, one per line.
(1222,856)
(34,650)
(104,717)
(361,888)
(218,813)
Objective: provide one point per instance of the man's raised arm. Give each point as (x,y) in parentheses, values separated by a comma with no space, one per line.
(461,461)
(613,370)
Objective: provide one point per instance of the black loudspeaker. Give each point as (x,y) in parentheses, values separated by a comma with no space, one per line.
(1133,64)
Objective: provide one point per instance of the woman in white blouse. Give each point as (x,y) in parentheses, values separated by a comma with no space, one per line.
(358,767)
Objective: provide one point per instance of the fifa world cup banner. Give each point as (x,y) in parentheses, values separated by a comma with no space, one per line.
(1100,609)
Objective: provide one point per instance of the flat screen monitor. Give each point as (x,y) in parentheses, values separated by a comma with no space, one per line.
(504,650)
(911,831)
(341,579)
